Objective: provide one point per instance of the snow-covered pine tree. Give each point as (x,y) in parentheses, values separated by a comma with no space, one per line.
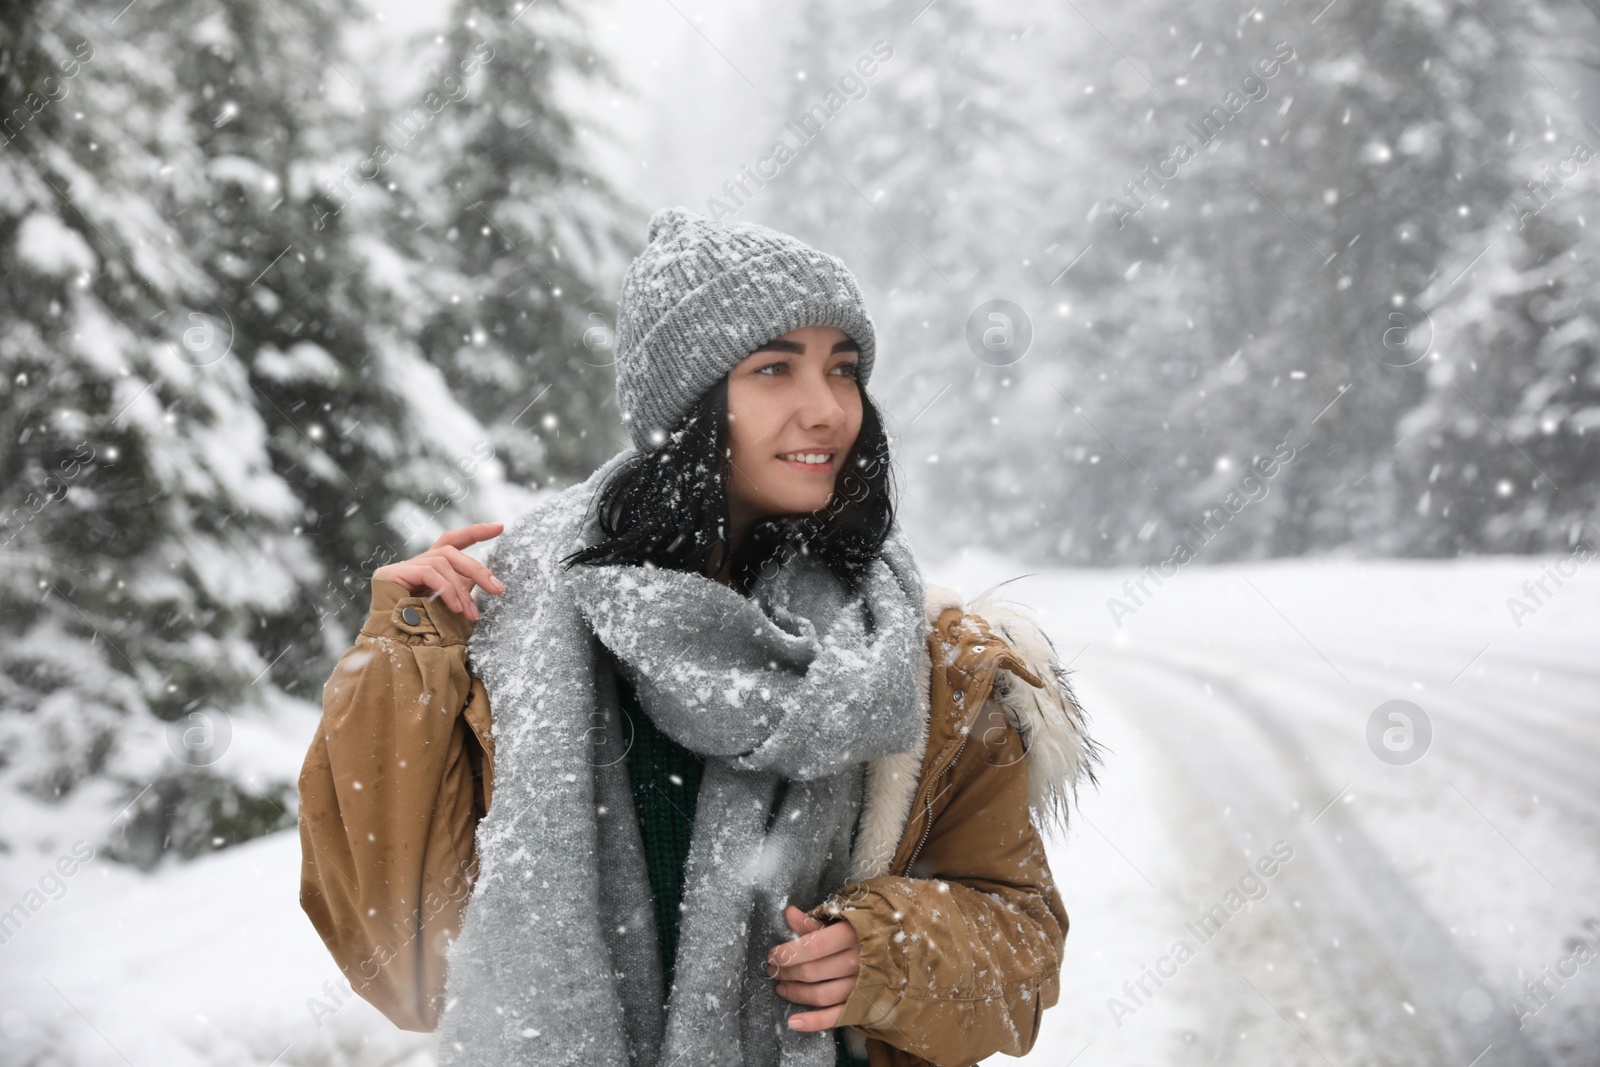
(517,245)
(1156,253)
(1500,453)
(1397,153)
(279,433)
(1235,279)
(359,424)
(1100,466)
(917,185)
(145,527)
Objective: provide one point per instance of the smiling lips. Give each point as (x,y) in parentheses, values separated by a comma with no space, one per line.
(808,461)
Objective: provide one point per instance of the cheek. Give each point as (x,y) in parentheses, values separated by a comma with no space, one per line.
(736,443)
(738,422)
(751,416)
(745,420)
(855,417)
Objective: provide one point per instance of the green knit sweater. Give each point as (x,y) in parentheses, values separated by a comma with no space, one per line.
(665,777)
(666,784)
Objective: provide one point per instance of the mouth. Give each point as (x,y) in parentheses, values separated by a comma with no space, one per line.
(817,461)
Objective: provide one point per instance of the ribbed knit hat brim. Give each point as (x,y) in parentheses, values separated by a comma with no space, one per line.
(703,295)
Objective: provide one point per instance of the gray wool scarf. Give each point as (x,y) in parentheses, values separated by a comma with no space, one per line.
(787,693)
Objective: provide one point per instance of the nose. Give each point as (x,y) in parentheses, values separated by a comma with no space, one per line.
(818,406)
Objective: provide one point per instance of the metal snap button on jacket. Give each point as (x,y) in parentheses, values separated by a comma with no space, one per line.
(412,616)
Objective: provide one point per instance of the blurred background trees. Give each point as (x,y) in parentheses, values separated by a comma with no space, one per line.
(245,365)
(277,308)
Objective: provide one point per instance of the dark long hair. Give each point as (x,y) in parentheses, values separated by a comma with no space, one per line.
(668,506)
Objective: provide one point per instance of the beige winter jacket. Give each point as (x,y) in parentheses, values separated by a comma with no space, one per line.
(960,923)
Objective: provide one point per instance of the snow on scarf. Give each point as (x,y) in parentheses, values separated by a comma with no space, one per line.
(786,693)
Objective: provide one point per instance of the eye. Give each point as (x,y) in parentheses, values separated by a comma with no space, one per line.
(852,369)
(780,364)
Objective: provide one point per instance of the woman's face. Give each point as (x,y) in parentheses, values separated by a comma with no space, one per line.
(793,399)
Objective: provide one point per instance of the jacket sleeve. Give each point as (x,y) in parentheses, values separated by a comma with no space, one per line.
(961,961)
(396,779)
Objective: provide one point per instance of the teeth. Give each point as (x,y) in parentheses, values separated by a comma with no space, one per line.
(808,457)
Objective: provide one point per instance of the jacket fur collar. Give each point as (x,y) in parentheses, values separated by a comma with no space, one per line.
(1061,754)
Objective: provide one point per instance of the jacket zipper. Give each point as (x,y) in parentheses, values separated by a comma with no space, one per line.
(927,802)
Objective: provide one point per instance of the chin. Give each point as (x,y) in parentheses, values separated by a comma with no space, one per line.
(799,509)
(802,503)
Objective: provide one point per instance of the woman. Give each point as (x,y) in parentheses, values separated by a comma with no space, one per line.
(724,772)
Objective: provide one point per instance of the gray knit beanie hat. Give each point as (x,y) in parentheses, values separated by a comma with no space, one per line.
(703,295)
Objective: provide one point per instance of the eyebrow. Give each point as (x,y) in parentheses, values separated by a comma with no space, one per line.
(778,344)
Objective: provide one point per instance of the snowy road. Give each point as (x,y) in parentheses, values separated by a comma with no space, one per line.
(1405,907)
(1418,897)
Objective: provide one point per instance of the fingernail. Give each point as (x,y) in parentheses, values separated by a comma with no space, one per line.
(794,1023)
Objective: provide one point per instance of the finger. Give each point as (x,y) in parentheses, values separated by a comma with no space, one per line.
(834,937)
(797,921)
(392,572)
(471,568)
(416,575)
(456,593)
(817,994)
(422,572)
(839,965)
(817,1020)
(800,922)
(463,586)
(469,535)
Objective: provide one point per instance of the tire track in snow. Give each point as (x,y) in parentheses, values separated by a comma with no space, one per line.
(1484,725)
(1391,951)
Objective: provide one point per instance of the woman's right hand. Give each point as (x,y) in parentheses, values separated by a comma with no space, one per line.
(447,570)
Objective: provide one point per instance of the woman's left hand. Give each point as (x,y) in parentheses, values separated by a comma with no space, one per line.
(819,969)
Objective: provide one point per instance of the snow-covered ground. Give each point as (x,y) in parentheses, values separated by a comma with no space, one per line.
(1418,898)
(1406,904)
